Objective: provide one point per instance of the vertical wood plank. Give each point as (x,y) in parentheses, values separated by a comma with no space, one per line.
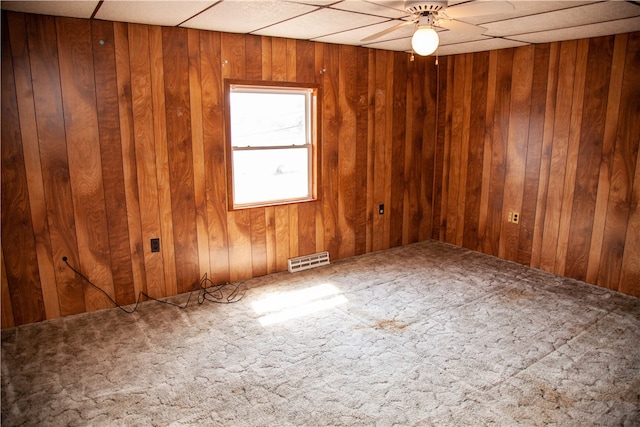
(198,151)
(620,233)
(608,144)
(432,144)
(85,168)
(30,146)
(104,60)
(45,72)
(214,155)
(305,73)
(238,222)
(330,159)
(546,155)
(371,109)
(379,148)
(397,148)
(630,274)
(179,144)
(6,318)
(446,152)
(129,168)
(486,161)
(499,141)
(597,78)
(517,142)
(19,259)
(464,151)
(555,188)
(477,119)
(346,150)
(362,211)
(145,150)
(572,156)
(162,167)
(528,212)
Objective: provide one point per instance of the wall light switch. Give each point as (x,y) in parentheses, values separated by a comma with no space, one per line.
(381,209)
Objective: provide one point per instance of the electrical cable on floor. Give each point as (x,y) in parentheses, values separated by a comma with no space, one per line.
(209,291)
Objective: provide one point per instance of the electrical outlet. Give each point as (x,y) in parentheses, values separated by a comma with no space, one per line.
(155,245)
(513,217)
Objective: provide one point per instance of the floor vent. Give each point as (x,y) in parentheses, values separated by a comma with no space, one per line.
(308,261)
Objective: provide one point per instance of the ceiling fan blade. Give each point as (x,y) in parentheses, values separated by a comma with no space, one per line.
(461,27)
(478,8)
(387,31)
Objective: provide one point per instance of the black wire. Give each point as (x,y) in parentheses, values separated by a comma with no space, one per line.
(213,293)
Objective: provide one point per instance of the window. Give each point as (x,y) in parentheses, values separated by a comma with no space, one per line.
(272,152)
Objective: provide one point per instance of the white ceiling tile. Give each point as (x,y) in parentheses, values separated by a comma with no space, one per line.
(453,37)
(246,16)
(527,7)
(73,9)
(319,23)
(580,15)
(478,46)
(379,8)
(592,30)
(154,12)
(313,2)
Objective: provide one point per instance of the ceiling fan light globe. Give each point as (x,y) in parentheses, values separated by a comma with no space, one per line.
(425,41)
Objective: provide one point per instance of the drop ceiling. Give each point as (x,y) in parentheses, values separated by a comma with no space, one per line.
(350,21)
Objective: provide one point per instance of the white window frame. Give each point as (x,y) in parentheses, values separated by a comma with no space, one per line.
(312,128)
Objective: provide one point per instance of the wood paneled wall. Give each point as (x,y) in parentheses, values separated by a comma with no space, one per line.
(112,134)
(551,132)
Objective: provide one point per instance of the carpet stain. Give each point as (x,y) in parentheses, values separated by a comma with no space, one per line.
(390,325)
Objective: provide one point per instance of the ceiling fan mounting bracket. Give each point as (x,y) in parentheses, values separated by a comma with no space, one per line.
(423,8)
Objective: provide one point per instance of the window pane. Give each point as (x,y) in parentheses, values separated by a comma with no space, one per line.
(268,119)
(270,175)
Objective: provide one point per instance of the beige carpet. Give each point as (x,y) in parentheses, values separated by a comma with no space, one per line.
(426,334)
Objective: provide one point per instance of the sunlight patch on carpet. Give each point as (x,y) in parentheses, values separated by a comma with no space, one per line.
(278,307)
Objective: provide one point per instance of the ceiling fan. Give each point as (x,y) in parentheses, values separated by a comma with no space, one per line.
(425,15)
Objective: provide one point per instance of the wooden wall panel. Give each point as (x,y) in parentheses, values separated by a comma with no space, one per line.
(129,168)
(180,153)
(214,155)
(448,148)
(516,150)
(85,167)
(621,229)
(104,62)
(306,73)
(589,155)
(161,152)
(499,145)
(47,96)
(142,96)
(396,206)
(198,151)
(555,189)
(475,161)
(529,209)
(28,128)
(330,148)
(346,150)
(22,280)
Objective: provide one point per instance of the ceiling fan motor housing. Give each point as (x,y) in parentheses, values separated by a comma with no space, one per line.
(421,7)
